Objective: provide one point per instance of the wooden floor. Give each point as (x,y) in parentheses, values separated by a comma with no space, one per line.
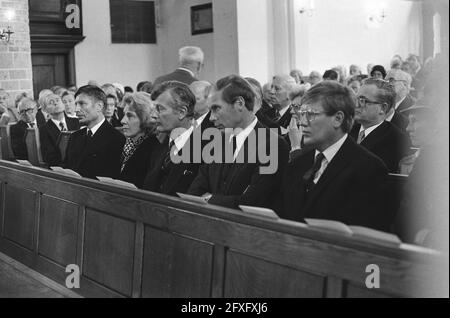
(19,281)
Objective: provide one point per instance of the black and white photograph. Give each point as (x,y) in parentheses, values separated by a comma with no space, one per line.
(228,155)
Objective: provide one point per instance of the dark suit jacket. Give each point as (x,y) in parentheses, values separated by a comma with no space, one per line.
(178,75)
(243,184)
(136,167)
(115,122)
(40,119)
(386,142)
(400,121)
(49,135)
(177,178)
(285,120)
(19,147)
(96,156)
(407,102)
(351,189)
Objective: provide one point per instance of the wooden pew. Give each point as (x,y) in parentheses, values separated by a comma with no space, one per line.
(5,149)
(34,147)
(63,141)
(395,188)
(131,243)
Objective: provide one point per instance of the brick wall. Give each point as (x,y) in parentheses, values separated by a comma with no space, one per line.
(16,74)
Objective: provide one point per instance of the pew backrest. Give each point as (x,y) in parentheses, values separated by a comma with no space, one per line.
(5,153)
(63,141)
(131,243)
(33,143)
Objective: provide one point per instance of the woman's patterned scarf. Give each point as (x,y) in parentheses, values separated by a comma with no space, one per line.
(129,149)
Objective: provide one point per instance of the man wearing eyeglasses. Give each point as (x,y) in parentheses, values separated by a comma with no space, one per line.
(402,85)
(27,113)
(375,100)
(332,177)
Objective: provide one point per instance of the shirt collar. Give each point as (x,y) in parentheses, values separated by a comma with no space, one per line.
(187,70)
(181,140)
(56,122)
(242,135)
(284,110)
(96,127)
(367,131)
(201,119)
(399,102)
(331,151)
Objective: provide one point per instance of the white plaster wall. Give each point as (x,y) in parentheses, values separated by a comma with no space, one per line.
(96,58)
(337,34)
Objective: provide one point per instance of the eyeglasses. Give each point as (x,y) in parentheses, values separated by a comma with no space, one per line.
(27,111)
(363,101)
(393,81)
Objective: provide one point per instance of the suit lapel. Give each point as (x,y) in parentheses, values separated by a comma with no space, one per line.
(375,136)
(340,161)
(54,131)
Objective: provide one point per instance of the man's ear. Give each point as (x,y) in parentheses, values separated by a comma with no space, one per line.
(339,118)
(239,103)
(182,112)
(385,108)
(100,107)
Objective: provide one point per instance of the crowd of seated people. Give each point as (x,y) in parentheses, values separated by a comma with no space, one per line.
(332,139)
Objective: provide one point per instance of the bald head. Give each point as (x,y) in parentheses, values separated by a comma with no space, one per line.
(401,81)
(201,91)
(282,85)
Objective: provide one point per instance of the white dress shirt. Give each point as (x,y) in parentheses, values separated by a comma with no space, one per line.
(57,123)
(329,154)
(96,127)
(181,140)
(367,131)
(242,136)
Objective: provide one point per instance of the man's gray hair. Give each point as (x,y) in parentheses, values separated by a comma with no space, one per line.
(190,54)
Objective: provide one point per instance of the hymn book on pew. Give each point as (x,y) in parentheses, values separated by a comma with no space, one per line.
(25,163)
(192,198)
(361,232)
(116,182)
(263,212)
(67,172)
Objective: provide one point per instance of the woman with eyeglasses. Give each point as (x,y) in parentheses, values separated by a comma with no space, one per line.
(139,130)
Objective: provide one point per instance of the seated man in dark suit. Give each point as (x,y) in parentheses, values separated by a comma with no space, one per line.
(96,149)
(174,104)
(27,113)
(332,177)
(282,85)
(242,179)
(201,90)
(42,116)
(375,100)
(50,132)
(190,65)
(403,100)
(111,111)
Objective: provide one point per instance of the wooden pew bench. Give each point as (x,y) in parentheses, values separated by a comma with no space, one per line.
(132,243)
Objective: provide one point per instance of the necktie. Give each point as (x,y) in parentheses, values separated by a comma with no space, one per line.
(62,127)
(311,173)
(167,160)
(233,142)
(31,125)
(361,136)
(89,133)
(277,115)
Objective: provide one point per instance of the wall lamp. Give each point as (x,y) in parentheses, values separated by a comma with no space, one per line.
(5,34)
(308,10)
